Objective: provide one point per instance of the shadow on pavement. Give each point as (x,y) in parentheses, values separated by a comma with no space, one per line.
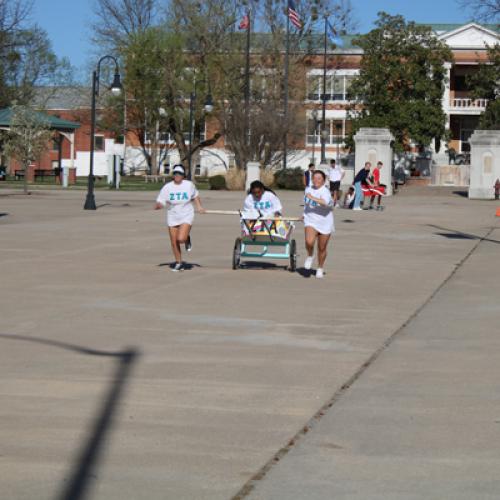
(306,273)
(3,214)
(76,488)
(463,194)
(452,234)
(251,264)
(188,266)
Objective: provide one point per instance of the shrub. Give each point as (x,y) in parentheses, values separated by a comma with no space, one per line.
(267,177)
(290,178)
(217,182)
(235,179)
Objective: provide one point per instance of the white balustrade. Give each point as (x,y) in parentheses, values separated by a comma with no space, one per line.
(468,103)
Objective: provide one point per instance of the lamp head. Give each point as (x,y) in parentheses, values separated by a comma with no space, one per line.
(116,86)
(209,104)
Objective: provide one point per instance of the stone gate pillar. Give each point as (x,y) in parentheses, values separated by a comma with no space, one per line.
(484,164)
(374,145)
(253,173)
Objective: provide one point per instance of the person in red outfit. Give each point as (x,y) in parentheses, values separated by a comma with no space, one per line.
(376,183)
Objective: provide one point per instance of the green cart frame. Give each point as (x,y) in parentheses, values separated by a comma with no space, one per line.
(264,241)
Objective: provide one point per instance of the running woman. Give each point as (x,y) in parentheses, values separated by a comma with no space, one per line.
(318,220)
(262,199)
(178,196)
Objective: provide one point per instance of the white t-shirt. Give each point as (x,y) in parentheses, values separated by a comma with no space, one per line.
(268,204)
(178,199)
(317,216)
(335,174)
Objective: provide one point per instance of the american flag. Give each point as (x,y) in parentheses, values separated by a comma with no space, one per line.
(245,22)
(293,15)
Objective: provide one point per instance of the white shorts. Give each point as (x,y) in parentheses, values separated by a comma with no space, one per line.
(323,225)
(173,220)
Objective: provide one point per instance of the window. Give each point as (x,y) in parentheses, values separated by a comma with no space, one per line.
(55,144)
(337,131)
(314,86)
(337,87)
(99,143)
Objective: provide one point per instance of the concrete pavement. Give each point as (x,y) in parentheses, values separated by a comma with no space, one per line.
(228,365)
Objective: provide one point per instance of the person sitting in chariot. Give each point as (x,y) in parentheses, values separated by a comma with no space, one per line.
(262,201)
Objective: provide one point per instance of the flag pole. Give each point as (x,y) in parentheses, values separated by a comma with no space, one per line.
(323,99)
(247,83)
(285,139)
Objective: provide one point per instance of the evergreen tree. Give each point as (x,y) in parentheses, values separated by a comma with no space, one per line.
(401,82)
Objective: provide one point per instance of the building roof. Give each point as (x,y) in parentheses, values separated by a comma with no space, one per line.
(62,98)
(53,121)
(442,28)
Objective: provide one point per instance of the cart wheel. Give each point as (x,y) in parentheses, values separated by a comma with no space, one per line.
(237,253)
(293,256)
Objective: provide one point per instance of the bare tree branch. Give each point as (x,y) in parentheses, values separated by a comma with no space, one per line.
(482,10)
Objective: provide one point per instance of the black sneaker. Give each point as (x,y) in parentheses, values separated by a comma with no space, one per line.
(178,267)
(189,246)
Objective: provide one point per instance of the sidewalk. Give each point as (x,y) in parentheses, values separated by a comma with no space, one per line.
(423,420)
(227,365)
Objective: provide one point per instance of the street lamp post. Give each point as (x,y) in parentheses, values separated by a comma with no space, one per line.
(208,108)
(338,126)
(116,88)
(325,134)
(315,130)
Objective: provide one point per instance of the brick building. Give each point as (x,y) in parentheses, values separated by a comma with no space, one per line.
(468,44)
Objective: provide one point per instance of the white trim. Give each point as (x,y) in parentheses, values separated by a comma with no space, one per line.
(334,72)
(466,27)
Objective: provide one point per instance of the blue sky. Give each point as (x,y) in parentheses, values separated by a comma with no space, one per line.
(67,21)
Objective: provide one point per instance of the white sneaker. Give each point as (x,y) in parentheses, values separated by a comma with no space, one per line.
(357,208)
(308,263)
(320,273)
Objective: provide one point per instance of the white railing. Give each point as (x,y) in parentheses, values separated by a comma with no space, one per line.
(467,103)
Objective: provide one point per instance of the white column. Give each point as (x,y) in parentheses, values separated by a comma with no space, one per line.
(72,151)
(446,94)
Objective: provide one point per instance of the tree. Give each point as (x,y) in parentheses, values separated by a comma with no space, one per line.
(401,81)
(27,137)
(485,85)
(26,55)
(197,47)
(268,125)
(118,21)
(483,10)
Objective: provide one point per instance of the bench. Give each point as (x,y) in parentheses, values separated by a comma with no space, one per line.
(155,178)
(45,173)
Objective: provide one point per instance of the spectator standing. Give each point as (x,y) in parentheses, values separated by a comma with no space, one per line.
(362,177)
(308,174)
(376,183)
(336,174)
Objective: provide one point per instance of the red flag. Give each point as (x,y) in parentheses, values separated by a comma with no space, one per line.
(245,22)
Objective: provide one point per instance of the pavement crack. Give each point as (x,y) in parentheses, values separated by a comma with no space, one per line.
(292,442)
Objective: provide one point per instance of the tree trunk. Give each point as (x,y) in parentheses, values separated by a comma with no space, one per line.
(25,180)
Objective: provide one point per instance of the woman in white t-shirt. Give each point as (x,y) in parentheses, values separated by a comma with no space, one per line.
(262,201)
(318,220)
(178,196)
